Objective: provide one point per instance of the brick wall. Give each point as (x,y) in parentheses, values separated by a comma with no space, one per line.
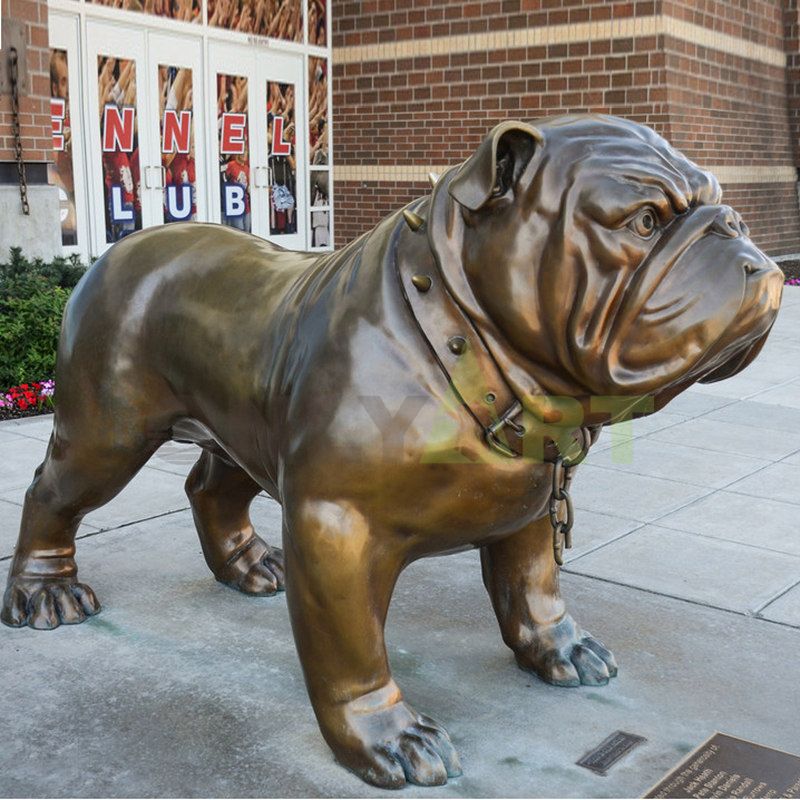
(34,106)
(418,82)
(731,110)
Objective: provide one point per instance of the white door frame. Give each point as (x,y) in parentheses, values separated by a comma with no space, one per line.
(64,34)
(118,41)
(177,50)
(129,25)
(227,59)
(281,68)
(260,67)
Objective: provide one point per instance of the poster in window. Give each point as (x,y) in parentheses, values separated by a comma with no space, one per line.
(318,187)
(183,10)
(278,19)
(281,127)
(318,110)
(61,173)
(119,142)
(234,151)
(320,228)
(177,143)
(318,22)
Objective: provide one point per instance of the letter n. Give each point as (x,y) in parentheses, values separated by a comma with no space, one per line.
(177,131)
(118,124)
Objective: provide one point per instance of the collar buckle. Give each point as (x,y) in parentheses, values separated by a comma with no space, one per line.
(505,419)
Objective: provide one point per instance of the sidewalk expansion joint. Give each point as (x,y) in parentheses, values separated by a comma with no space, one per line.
(97,532)
(702,604)
(777,596)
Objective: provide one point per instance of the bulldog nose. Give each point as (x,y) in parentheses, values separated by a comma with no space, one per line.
(729,223)
(759,264)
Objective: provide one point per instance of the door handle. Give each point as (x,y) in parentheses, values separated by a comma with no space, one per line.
(160,181)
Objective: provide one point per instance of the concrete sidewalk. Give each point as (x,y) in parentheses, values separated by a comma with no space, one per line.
(686,563)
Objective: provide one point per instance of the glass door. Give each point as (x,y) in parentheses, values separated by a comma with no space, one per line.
(280,176)
(67,171)
(258,152)
(231,92)
(118,132)
(175,174)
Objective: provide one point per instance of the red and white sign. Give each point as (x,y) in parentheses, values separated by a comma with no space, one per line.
(58,112)
(177,130)
(279,147)
(233,137)
(118,129)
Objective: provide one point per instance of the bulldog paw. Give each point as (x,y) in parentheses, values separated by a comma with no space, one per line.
(565,655)
(395,745)
(256,570)
(46,604)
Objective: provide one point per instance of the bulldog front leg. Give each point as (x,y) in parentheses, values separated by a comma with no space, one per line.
(521,576)
(339,580)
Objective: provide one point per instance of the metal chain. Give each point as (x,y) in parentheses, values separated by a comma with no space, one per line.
(560,505)
(23,178)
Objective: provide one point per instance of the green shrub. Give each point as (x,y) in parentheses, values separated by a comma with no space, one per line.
(32,299)
(63,271)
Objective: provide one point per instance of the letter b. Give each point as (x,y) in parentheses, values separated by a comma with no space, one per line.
(234,200)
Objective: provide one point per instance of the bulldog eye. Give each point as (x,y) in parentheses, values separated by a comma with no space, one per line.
(644,223)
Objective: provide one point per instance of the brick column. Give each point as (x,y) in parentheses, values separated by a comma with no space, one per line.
(25,24)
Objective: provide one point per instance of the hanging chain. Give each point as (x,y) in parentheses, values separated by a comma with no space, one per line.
(23,178)
(560,505)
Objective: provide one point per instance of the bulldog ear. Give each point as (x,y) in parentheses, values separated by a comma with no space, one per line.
(496,164)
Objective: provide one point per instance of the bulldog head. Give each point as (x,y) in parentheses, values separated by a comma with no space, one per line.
(603,258)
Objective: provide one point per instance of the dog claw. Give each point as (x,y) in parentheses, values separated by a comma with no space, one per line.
(44,605)
(258,570)
(422,765)
(564,655)
(408,748)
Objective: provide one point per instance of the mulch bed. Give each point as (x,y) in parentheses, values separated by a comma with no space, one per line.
(16,413)
(791,269)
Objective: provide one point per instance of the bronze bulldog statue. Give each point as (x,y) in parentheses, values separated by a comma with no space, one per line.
(425,389)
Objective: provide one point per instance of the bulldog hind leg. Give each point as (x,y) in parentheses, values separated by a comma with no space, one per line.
(80,473)
(521,576)
(220,493)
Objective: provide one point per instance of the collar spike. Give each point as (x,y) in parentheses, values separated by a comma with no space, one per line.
(415,221)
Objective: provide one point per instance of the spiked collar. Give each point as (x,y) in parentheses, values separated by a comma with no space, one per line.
(466,361)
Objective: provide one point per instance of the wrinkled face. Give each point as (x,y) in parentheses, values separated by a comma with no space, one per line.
(606,258)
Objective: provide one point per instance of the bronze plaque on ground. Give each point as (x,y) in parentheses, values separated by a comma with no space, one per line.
(609,751)
(726,766)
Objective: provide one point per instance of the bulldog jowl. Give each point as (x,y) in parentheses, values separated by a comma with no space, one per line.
(400,398)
